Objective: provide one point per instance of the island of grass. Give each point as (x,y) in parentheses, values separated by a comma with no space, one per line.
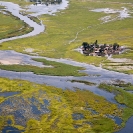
(84,82)
(53,68)
(52,109)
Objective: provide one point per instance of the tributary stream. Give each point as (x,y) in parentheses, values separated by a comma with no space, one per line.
(95,74)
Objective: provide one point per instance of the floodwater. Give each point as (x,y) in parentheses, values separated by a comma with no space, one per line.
(120,14)
(96,74)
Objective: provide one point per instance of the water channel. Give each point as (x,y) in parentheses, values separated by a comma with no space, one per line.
(95,74)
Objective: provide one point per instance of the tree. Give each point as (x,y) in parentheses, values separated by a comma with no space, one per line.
(115,46)
(85,45)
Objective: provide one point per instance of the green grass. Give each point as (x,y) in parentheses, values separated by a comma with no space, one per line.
(55,68)
(62,28)
(12,26)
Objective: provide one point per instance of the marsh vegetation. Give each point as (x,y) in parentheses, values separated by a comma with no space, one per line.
(53,109)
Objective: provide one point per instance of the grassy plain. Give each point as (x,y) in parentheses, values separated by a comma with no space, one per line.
(70,27)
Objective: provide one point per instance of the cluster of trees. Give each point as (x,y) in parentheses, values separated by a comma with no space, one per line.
(47,1)
(100,50)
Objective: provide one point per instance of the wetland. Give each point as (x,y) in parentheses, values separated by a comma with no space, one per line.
(47,86)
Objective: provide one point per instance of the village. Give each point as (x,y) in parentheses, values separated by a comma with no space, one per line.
(95,49)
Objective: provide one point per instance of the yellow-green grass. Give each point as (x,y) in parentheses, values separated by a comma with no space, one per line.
(12,26)
(60,117)
(62,28)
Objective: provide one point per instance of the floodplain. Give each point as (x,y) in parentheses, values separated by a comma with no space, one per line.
(30,107)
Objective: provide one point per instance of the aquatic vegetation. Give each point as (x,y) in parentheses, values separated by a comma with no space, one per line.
(85,82)
(41,108)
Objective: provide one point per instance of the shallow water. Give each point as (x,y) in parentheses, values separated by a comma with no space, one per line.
(7,94)
(120,14)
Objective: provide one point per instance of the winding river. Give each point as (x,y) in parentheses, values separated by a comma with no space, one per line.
(96,74)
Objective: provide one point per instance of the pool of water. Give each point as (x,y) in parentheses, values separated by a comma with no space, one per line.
(7,94)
